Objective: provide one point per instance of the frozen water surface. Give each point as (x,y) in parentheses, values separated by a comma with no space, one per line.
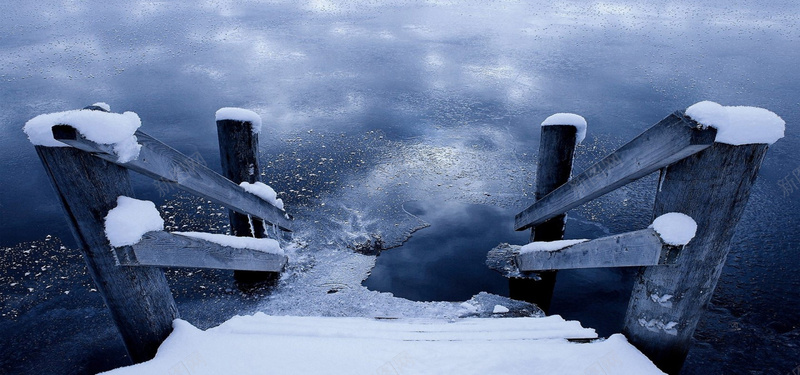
(366,107)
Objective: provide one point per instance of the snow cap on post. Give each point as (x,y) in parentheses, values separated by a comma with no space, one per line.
(116,129)
(132,218)
(240,114)
(569,119)
(675,228)
(738,125)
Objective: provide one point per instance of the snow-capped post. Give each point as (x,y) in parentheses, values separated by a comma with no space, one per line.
(138,298)
(237,132)
(712,187)
(560,133)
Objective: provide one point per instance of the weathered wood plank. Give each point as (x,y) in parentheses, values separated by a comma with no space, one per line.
(164,249)
(139,299)
(712,187)
(637,248)
(554,167)
(163,163)
(672,139)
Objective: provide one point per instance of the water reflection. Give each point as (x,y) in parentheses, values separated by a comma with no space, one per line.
(446,262)
(455,90)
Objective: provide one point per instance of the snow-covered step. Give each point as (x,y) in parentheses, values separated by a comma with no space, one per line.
(552,327)
(262,344)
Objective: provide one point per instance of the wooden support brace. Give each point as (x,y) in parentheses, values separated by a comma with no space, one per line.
(164,249)
(163,163)
(672,139)
(139,299)
(638,248)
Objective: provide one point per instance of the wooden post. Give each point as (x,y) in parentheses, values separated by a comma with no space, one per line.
(712,187)
(138,298)
(238,149)
(556,151)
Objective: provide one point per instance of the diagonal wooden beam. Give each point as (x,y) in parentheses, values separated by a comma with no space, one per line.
(164,249)
(672,139)
(637,248)
(163,163)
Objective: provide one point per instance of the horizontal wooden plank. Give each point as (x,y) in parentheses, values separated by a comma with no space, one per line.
(637,248)
(668,141)
(165,164)
(164,249)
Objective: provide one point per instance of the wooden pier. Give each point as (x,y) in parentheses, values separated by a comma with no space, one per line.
(706,180)
(88,177)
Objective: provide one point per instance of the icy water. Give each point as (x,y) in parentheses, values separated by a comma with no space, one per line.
(368,107)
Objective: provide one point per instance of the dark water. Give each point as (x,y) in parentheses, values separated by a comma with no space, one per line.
(367,106)
(446,262)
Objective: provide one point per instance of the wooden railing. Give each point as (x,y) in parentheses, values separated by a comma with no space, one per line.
(88,178)
(708,181)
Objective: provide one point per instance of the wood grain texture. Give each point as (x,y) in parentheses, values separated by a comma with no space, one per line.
(553,169)
(238,150)
(163,163)
(139,299)
(670,140)
(637,248)
(165,249)
(712,187)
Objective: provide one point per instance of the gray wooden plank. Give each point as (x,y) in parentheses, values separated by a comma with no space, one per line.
(164,249)
(638,248)
(672,139)
(139,300)
(163,163)
(667,302)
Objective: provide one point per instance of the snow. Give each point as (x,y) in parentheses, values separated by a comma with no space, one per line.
(114,129)
(264,192)
(675,228)
(655,325)
(548,245)
(126,223)
(738,125)
(266,245)
(240,114)
(322,345)
(499,309)
(568,119)
(103,105)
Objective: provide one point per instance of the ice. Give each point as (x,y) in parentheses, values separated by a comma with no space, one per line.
(103,105)
(126,223)
(499,309)
(101,127)
(739,125)
(264,192)
(675,228)
(240,114)
(548,245)
(266,245)
(568,119)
